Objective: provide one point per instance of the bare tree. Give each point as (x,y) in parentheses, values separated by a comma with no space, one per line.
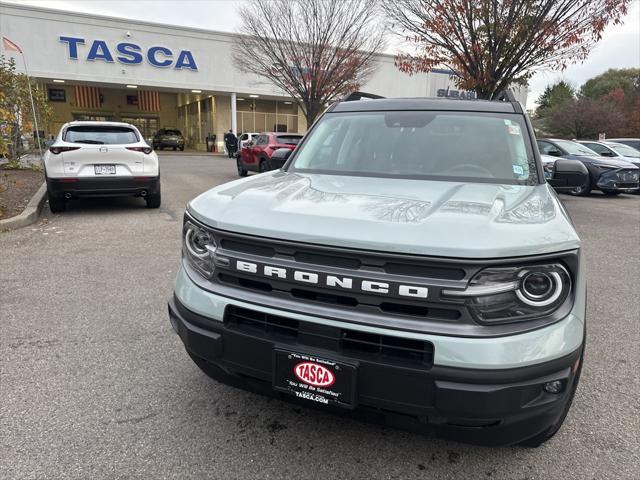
(314,50)
(491,44)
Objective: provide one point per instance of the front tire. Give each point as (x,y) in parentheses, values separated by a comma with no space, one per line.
(56,203)
(611,193)
(582,191)
(182,149)
(263,166)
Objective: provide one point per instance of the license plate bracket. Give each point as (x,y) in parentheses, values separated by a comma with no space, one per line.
(315,378)
(104,169)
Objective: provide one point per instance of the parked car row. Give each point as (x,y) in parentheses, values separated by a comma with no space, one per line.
(613,167)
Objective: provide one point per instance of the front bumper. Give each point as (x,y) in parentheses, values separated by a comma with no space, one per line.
(622,180)
(103,186)
(489,407)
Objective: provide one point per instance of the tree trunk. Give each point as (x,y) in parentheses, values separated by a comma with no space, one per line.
(311,112)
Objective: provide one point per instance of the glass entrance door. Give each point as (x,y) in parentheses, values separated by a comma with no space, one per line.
(147,126)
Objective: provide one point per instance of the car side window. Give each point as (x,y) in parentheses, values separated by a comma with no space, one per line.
(262,140)
(601,149)
(545,147)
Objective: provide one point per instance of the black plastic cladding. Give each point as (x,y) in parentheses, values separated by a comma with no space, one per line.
(436,315)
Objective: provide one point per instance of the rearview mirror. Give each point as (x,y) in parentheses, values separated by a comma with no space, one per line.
(568,174)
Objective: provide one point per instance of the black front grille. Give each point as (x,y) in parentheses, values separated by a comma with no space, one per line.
(409,269)
(350,343)
(628,176)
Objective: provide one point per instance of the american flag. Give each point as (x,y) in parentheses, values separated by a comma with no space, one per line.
(87,97)
(149,100)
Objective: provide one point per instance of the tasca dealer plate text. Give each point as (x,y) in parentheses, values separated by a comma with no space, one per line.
(315,379)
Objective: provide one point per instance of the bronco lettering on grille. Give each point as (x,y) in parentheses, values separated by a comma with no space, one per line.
(333,281)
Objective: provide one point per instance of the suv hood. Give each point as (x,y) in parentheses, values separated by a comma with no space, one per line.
(435,218)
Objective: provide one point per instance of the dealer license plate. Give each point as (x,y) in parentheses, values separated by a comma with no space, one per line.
(105,169)
(315,379)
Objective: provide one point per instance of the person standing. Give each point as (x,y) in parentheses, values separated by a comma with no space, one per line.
(231,142)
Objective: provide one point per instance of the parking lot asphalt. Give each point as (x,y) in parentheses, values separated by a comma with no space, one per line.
(94,384)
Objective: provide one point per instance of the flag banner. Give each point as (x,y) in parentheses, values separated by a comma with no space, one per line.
(149,100)
(10,46)
(87,97)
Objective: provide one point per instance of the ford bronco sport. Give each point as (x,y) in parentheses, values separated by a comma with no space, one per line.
(408,262)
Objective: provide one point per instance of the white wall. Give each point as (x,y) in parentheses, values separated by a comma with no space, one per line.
(38,30)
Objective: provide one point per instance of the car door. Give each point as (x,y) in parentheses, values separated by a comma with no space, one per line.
(256,151)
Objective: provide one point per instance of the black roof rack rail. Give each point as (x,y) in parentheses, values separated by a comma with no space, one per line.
(508,96)
(350,97)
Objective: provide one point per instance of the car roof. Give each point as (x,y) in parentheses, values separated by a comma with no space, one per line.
(623,138)
(443,104)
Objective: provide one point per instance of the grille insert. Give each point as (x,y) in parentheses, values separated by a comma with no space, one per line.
(351,343)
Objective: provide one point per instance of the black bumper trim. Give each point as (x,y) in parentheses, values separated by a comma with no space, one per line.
(92,187)
(489,407)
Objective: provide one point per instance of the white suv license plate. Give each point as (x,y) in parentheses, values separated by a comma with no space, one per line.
(105,169)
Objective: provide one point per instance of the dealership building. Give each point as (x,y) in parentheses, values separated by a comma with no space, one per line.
(163,76)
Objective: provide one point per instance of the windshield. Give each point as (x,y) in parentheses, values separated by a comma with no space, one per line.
(574,148)
(96,134)
(624,150)
(172,132)
(468,146)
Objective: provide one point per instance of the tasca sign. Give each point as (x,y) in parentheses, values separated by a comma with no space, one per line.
(128,53)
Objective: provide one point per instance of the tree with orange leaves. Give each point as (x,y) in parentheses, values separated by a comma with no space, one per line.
(490,45)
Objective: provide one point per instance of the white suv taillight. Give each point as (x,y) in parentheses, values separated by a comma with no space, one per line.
(58,150)
(145,150)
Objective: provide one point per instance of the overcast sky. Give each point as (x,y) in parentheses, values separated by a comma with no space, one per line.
(619,48)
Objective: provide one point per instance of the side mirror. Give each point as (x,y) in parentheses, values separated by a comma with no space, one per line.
(280,157)
(608,154)
(568,174)
(554,153)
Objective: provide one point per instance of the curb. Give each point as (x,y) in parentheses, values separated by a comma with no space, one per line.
(30,214)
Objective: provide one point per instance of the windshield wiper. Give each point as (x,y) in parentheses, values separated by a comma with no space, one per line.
(92,142)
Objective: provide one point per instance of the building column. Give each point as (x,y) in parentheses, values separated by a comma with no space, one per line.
(234,115)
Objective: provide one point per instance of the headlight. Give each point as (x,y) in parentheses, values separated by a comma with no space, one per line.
(511,294)
(198,247)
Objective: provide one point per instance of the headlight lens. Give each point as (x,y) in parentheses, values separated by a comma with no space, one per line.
(510,294)
(198,247)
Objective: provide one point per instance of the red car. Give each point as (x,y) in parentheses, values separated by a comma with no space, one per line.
(256,156)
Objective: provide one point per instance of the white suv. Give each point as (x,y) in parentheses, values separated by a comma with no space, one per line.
(100,159)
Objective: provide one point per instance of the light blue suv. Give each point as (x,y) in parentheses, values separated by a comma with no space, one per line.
(408,261)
